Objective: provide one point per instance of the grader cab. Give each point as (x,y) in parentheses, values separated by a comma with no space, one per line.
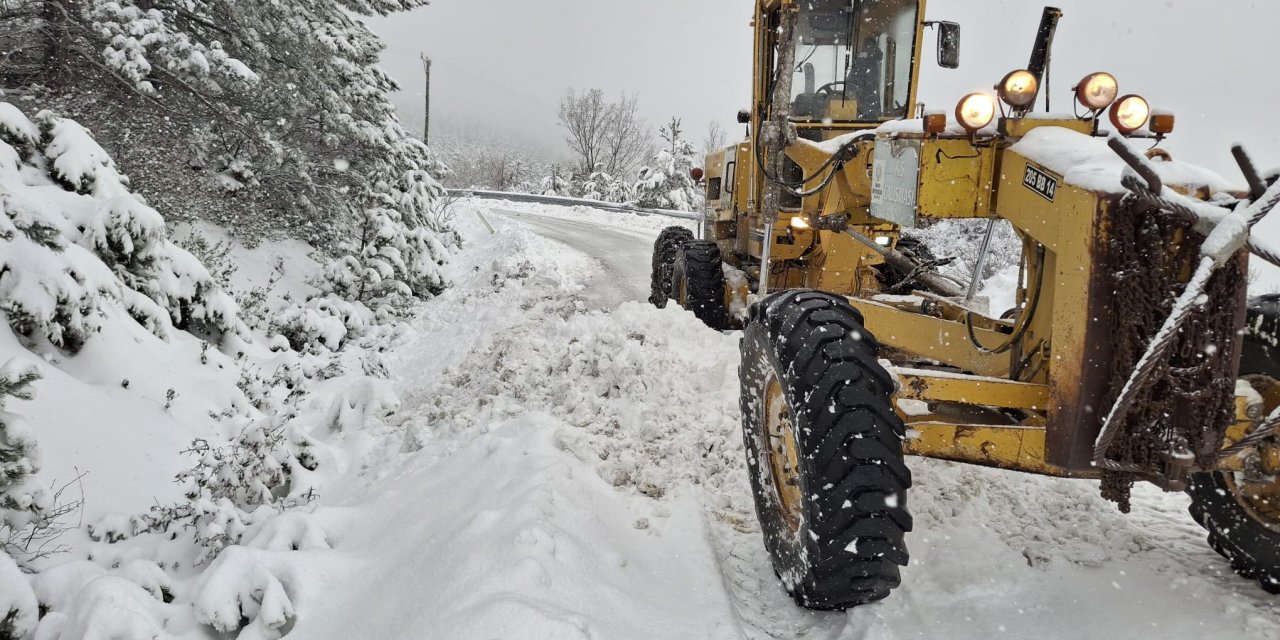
(1132,353)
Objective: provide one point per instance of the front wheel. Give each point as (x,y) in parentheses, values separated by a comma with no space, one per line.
(1241,510)
(665,249)
(824,450)
(697,282)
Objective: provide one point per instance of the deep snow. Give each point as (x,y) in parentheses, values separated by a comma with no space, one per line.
(544,464)
(577,474)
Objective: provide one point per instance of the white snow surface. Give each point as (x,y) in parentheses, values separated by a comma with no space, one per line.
(551,470)
(1087,162)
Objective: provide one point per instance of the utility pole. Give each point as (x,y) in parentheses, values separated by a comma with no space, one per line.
(426,119)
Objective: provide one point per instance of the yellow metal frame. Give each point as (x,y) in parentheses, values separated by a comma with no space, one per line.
(1044,422)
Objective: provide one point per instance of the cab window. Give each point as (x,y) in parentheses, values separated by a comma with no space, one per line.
(853,60)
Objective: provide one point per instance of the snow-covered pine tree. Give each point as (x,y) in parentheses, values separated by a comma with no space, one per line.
(23,499)
(666,183)
(73,236)
(278,105)
(556,184)
(606,188)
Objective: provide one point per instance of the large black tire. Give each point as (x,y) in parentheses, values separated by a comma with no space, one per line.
(1262,337)
(849,540)
(1252,547)
(664,260)
(697,282)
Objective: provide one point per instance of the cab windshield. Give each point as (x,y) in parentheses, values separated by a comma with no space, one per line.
(853,60)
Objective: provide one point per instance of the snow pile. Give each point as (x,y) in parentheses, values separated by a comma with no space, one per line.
(612,376)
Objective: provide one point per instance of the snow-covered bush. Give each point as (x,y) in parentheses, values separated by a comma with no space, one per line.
(23,499)
(324,322)
(19,609)
(667,183)
(555,185)
(388,265)
(962,239)
(228,483)
(606,188)
(242,591)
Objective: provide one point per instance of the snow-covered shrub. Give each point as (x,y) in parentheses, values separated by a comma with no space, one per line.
(107,607)
(228,483)
(667,183)
(366,397)
(274,386)
(19,610)
(23,499)
(606,188)
(388,266)
(555,185)
(962,239)
(324,322)
(242,591)
(215,256)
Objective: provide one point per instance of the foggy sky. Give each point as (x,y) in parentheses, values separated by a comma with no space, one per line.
(506,63)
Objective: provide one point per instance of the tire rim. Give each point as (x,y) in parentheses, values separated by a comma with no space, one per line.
(782,453)
(1260,499)
(682,291)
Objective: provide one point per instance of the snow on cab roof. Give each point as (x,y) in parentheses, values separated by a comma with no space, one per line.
(1086,162)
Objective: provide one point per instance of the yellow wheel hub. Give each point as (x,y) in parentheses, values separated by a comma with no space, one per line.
(1258,490)
(783,454)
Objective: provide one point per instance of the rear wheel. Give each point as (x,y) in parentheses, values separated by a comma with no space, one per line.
(824,450)
(664,259)
(697,282)
(1241,510)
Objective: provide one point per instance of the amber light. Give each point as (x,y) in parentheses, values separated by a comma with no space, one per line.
(1162,123)
(935,123)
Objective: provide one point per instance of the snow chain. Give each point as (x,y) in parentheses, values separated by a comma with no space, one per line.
(1180,411)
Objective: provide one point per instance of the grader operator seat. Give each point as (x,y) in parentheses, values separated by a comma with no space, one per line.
(864,81)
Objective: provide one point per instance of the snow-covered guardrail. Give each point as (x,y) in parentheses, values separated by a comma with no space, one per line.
(572,202)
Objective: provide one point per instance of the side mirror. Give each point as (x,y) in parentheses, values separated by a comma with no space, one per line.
(948,45)
(744,117)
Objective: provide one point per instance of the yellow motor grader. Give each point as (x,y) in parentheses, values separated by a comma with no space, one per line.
(1132,353)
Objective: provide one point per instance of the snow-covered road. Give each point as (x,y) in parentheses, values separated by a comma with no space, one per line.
(622,256)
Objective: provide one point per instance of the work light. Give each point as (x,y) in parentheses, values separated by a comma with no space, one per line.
(975,111)
(1097,91)
(1129,113)
(1018,89)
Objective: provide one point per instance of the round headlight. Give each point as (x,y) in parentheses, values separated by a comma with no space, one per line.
(1129,113)
(975,111)
(1097,90)
(1018,89)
